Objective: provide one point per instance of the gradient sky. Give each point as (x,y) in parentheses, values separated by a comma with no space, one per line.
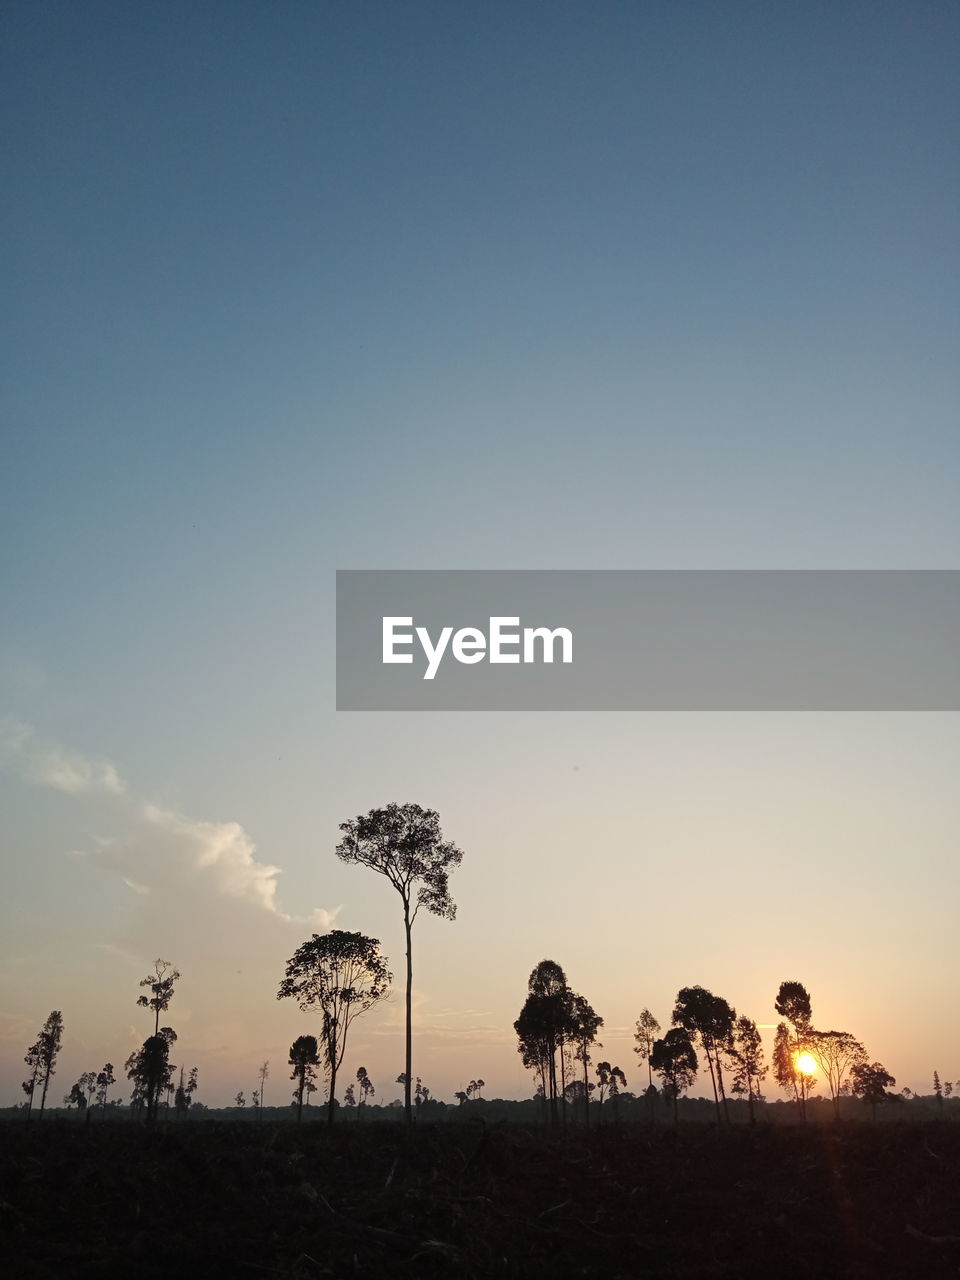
(295,287)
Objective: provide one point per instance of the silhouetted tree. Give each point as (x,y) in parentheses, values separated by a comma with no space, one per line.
(105,1079)
(543,1025)
(421,1093)
(303,1056)
(349,1097)
(365,1085)
(937,1090)
(475,1087)
(48,1046)
(710,1019)
(160,983)
(746,1054)
(674,1059)
(610,1079)
(460,1096)
(646,1034)
(584,1026)
(255,1098)
(150,1071)
(793,1004)
(240,1100)
(870,1082)
(344,975)
(185,1092)
(33,1061)
(835,1053)
(405,844)
(263,1075)
(786,1069)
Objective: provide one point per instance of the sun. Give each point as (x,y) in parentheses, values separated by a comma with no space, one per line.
(806,1064)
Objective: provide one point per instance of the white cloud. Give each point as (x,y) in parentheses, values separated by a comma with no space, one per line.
(51,766)
(154,850)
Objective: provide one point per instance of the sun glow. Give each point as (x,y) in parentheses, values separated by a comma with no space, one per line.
(806,1064)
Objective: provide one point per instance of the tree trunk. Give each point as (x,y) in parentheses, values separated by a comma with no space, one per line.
(333,1091)
(408,1044)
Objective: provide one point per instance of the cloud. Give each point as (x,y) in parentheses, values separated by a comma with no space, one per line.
(154,850)
(51,766)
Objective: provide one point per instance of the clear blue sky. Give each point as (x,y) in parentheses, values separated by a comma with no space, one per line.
(291,287)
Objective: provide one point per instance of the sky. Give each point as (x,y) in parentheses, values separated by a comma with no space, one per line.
(297,287)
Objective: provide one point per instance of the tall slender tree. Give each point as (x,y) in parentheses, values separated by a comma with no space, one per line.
(710,1018)
(343,974)
(50,1041)
(303,1056)
(29,1086)
(160,983)
(105,1079)
(745,1051)
(404,843)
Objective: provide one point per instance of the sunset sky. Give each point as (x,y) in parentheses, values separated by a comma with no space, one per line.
(297,287)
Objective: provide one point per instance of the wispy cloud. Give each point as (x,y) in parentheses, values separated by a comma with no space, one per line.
(153,849)
(51,766)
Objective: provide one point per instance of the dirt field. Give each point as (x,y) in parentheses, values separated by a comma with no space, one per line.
(219,1199)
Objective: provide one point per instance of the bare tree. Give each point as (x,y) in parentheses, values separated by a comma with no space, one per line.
(404,843)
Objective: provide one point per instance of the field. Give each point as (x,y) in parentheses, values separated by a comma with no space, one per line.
(473,1200)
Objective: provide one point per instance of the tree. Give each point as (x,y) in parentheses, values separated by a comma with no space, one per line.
(746,1054)
(405,844)
(240,1100)
(544,1023)
(303,1057)
(48,1048)
(151,1072)
(460,1096)
(262,1075)
(584,1026)
(365,1085)
(674,1059)
(185,1092)
(475,1087)
(349,1097)
(709,1018)
(870,1082)
(32,1059)
(646,1034)
(160,983)
(835,1053)
(611,1080)
(793,1004)
(937,1089)
(344,975)
(105,1079)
